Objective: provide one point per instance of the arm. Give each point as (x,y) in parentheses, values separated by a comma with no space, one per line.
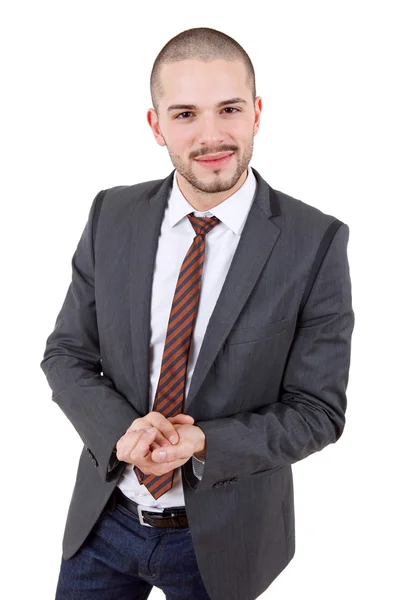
(310,414)
(72,363)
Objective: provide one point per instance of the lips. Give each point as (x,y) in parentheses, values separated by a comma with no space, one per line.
(213,157)
(220,162)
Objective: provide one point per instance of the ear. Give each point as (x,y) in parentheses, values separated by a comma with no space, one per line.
(257,109)
(152,120)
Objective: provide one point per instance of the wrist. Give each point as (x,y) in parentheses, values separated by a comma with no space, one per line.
(200,450)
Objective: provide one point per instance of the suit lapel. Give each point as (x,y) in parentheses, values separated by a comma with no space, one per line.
(257,240)
(145,231)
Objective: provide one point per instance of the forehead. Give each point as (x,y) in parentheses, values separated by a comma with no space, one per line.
(202,82)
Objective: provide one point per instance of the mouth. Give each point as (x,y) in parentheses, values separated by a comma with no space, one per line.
(218,161)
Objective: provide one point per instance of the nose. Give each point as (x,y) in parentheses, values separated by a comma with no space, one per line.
(210,134)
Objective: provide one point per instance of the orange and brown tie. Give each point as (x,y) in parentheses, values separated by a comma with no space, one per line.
(170,394)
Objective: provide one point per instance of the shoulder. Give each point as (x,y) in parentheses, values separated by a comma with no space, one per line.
(289,212)
(115,207)
(302,218)
(292,207)
(122,195)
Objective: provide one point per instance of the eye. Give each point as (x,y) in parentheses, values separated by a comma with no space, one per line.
(184,113)
(180,116)
(231,108)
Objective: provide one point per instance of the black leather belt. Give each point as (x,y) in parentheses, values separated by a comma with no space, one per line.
(150,516)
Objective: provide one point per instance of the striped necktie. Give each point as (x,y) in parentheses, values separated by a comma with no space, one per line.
(170,394)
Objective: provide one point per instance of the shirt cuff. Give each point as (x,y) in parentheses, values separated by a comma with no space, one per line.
(113,461)
(198,467)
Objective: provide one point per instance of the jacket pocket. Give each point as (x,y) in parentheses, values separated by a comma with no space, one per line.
(266,472)
(251,334)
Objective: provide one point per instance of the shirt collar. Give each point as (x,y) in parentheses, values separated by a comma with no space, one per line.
(232,211)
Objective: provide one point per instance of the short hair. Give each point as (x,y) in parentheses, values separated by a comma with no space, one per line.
(201,43)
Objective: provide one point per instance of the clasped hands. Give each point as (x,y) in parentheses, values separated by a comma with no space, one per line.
(140,445)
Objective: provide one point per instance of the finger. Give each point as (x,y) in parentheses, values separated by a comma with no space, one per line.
(142,447)
(145,422)
(159,439)
(154,445)
(160,422)
(162,437)
(127,443)
(182,419)
(170,455)
(138,425)
(164,425)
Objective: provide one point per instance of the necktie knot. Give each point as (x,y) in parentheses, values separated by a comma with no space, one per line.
(202,225)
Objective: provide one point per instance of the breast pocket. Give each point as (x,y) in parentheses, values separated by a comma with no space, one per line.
(265,472)
(252,334)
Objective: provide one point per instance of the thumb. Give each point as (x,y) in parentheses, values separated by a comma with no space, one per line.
(184,419)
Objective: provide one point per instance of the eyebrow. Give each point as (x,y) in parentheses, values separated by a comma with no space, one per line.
(193,106)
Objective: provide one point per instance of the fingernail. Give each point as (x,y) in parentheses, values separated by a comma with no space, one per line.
(161,456)
(173,439)
(150,430)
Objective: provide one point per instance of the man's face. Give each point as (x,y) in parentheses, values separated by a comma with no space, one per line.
(192,123)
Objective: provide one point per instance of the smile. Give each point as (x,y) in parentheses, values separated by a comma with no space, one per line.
(212,164)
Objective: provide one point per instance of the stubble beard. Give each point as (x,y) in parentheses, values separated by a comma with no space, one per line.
(219,183)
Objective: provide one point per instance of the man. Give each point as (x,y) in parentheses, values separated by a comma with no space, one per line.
(209,306)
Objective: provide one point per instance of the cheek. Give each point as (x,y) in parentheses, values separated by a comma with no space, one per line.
(242,129)
(179,138)
(181,150)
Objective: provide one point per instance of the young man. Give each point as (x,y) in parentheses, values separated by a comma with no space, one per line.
(209,306)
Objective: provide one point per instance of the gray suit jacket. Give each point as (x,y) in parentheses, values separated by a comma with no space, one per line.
(269,386)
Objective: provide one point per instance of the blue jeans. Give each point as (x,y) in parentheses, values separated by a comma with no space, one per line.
(122,560)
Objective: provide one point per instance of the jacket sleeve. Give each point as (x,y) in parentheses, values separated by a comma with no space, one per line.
(72,364)
(310,412)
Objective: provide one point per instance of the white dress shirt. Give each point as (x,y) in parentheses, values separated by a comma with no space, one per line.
(175,239)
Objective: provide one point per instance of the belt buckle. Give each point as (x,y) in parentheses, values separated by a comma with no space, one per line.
(142,507)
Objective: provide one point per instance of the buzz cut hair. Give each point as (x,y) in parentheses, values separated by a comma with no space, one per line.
(200,43)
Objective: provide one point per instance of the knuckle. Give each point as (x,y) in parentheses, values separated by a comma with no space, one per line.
(136,423)
(131,457)
(159,420)
(165,430)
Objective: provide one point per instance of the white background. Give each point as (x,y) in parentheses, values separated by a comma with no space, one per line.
(75,91)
